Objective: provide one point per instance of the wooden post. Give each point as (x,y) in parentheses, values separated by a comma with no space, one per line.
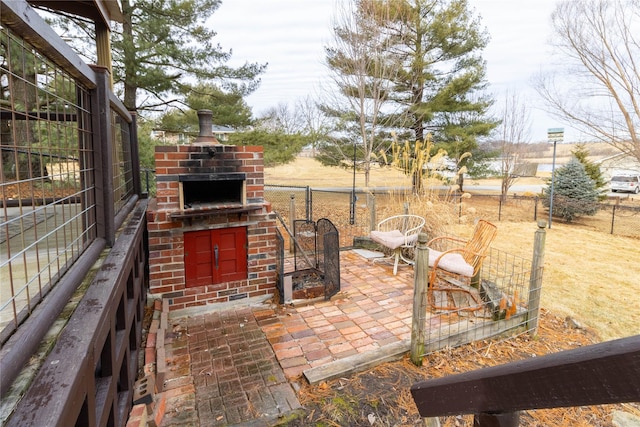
(292,219)
(613,214)
(592,375)
(535,281)
(419,319)
(371,202)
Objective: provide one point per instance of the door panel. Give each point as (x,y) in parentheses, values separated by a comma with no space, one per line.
(215,256)
(197,258)
(233,254)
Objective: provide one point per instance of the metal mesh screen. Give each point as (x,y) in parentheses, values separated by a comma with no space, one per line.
(122,166)
(47,216)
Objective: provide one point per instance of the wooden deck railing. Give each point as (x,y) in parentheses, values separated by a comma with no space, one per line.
(593,375)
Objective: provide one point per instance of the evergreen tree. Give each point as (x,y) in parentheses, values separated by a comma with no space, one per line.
(440,88)
(160,49)
(228,109)
(278,147)
(593,170)
(574,192)
(164,45)
(434,76)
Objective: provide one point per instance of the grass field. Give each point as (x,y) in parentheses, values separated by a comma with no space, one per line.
(591,276)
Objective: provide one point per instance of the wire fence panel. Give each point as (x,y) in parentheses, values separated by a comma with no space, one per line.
(336,206)
(620,218)
(492,208)
(47,178)
(283,198)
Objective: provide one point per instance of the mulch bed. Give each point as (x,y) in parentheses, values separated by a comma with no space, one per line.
(25,190)
(381,396)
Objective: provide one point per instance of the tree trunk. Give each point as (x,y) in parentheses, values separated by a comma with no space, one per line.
(130,78)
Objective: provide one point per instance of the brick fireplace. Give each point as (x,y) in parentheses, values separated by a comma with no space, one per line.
(212,236)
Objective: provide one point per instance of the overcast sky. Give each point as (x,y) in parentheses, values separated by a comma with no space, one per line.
(290,35)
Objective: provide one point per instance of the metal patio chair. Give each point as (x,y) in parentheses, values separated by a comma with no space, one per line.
(453,272)
(398,233)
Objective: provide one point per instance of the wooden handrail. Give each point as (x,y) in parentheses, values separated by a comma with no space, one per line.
(598,374)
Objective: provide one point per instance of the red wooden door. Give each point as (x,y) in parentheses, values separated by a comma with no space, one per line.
(231,246)
(215,256)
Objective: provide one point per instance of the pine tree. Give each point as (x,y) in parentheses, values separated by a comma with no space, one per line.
(440,44)
(574,192)
(165,45)
(162,51)
(593,170)
(422,69)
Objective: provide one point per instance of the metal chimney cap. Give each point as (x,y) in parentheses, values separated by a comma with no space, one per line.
(205,137)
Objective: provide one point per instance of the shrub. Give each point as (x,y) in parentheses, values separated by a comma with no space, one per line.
(574,193)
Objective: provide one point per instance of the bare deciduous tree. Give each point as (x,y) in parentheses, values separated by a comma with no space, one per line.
(361,70)
(283,119)
(512,133)
(314,123)
(598,89)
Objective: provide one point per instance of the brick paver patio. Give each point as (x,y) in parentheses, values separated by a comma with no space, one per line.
(245,362)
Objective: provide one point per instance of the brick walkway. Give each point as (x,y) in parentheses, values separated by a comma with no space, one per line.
(240,366)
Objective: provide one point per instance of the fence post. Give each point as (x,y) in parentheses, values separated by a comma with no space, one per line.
(535,280)
(292,219)
(307,203)
(613,216)
(419,319)
(371,202)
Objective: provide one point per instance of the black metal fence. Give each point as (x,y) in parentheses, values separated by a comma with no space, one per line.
(619,216)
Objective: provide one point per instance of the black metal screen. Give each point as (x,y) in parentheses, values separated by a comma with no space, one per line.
(280,265)
(316,252)
(328,253)
(305,249)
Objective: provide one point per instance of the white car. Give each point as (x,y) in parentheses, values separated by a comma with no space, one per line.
(630,183)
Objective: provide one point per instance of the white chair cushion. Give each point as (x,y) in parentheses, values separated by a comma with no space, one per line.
(453,263)
(392,239)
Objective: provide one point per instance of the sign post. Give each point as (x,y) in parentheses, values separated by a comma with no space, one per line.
(553,135)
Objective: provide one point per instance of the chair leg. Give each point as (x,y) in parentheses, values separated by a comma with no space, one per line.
(397,255)
(406,260)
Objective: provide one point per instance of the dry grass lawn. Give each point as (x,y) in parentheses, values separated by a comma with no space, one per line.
(591,276)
